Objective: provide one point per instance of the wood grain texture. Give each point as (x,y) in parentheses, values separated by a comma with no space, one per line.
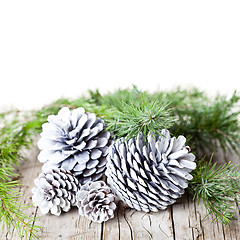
(181,221)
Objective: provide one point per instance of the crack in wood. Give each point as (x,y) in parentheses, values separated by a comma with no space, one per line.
(91,222)
(150,221)
(144,215)
(189,219)
(164,232)
(119,234)
(173,227)
(193,235)
(133,213)
(102,231)
(129,225)
(200,221)
(35,214)
(224,234)
(199,230)
(147,231)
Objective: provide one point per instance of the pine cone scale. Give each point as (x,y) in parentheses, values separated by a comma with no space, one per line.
(54,191)
(75,141)
(149,176)
(96,201)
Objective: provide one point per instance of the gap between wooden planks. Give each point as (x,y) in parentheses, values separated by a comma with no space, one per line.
(178,222)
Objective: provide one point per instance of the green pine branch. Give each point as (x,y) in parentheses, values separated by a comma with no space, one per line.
(13,136)
(203,121)
(208,122)
(144,116)
(12,211)
(218,187)
(117,98)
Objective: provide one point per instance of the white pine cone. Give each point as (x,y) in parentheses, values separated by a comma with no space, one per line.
(75,141)
(95,201)
(150,176)
(55,190)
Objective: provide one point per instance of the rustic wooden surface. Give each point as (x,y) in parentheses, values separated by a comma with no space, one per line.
(181,221)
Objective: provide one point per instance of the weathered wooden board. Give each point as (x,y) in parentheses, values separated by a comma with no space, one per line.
(181,221)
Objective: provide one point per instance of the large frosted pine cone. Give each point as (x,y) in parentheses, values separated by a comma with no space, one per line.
(95,201)
(55,190)
(75,141)
(150,176)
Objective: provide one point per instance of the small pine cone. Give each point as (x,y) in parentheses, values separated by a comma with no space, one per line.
(95,201)
(55,190)
(150,176)
(75,141)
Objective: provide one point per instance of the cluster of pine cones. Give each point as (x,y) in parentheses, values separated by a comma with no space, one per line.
(147,172)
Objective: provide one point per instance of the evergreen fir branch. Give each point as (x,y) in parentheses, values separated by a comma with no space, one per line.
(218,187)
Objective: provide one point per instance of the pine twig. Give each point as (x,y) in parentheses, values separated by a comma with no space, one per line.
(218,187)
(147,116)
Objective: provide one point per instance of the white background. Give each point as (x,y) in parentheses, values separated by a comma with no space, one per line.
(50,49)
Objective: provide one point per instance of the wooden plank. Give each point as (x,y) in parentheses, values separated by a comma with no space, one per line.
(188,216)
(210,230)
(186,219)
(117,228)
(154,225)
(232,232)
(132,224)
(183,220)
(68,226)
(218,230)
(86,229)
(195,220)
